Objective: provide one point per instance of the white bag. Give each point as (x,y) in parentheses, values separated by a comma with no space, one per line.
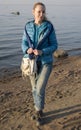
(28,67)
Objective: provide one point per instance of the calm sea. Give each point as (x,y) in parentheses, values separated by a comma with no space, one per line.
(66,20)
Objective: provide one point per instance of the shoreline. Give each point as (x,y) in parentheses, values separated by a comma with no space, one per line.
(7,67)
(15,72)
(6,72)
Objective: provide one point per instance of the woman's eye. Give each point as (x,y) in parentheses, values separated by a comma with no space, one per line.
(41,12)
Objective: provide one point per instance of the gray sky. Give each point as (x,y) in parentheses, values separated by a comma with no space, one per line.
(56,2)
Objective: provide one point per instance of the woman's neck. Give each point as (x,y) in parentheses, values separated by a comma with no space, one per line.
(38,23)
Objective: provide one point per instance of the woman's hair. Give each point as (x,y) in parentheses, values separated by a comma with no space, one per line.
(40,3)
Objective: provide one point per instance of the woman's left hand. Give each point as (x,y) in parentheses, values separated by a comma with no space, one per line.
(37,52)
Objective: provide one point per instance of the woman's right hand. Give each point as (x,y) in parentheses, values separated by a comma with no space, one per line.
(30,51)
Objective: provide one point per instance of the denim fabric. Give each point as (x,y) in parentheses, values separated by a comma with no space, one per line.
(39,84)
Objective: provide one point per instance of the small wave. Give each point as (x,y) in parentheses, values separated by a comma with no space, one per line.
(6,56)
(75,51)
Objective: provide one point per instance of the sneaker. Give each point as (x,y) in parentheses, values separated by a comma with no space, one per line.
(38,118)
(37,114)
(39,121)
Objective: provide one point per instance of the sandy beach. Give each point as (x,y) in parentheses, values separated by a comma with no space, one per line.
(63,98)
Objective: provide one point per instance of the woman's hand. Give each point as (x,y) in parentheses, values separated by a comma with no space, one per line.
(30,51)
(37,52)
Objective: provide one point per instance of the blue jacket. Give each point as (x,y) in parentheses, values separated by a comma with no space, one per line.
(36,34)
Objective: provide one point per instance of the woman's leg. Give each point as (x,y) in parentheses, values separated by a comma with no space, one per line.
(38,89)
(41,85)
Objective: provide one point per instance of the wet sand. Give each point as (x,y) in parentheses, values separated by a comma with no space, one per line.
(63,98)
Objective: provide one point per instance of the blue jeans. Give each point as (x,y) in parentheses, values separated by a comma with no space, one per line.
(38,83)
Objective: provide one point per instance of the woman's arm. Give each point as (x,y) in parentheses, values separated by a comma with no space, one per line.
(52,44)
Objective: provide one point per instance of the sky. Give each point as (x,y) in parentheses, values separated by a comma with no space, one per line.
(56,2)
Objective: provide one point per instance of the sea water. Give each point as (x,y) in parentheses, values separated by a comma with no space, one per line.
(66,21)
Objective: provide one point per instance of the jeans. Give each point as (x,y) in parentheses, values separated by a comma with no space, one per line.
(38,83)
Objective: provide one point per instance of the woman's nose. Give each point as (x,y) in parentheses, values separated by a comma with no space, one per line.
(41,14)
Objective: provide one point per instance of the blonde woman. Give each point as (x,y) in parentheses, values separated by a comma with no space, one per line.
(43,39)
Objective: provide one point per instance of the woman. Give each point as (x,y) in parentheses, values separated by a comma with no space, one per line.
(44,43)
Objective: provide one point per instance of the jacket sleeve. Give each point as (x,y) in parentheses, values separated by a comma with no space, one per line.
(24,45)
(52,44)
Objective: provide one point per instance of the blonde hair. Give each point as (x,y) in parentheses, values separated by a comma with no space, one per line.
(40,3)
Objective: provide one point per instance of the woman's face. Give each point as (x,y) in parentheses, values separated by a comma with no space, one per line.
(39,14)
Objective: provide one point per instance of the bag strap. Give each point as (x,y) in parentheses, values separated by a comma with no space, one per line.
(28,39)
(31,56)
